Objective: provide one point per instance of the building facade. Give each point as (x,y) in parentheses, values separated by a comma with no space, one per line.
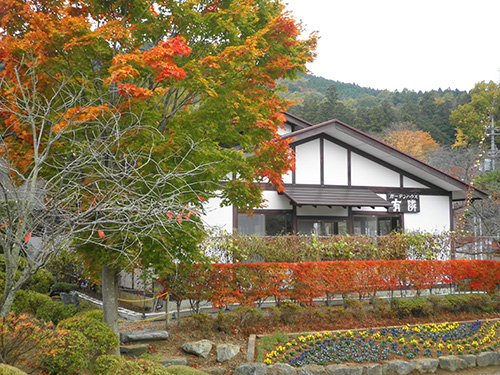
(347,182)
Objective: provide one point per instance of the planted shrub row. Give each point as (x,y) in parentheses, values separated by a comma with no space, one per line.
(306,248)
(252,283)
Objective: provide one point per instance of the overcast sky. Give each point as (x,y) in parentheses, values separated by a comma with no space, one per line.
(396,44)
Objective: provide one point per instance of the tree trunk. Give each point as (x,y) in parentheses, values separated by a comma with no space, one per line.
(110,300)
(11,286)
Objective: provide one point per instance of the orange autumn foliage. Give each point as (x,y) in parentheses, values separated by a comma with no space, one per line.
(415,143)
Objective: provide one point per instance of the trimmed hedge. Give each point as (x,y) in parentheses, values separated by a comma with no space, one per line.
(252,283)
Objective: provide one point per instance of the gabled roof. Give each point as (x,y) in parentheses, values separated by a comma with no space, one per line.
(382,151)
(296,122)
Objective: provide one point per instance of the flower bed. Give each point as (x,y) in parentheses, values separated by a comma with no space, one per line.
(407,342)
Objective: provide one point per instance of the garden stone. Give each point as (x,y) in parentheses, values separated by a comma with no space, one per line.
(343,370)
(253,368)
(397,367)
(225,352)
(70,298)
(200,348)
(426,365)
(147,335)
(452,363)
(281,369)
(470,359)
(311,370)
(374,369)
(488,359)
(134,350)
(173,361)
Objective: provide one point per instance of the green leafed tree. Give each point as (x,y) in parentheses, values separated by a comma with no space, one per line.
(472,119)
(119,119)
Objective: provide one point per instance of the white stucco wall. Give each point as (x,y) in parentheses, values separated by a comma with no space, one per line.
(275,201)
(321,211)
(218,218)
(287,178)
(307,163)
(409,183)
(365,172)
(434,215)
(369,209)
(335,161)
(287,129)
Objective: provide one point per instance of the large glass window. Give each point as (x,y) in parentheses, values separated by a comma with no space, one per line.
(376,225)
(265,224)
(322,227)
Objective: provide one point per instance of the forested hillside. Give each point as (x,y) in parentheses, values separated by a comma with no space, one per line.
(375,111)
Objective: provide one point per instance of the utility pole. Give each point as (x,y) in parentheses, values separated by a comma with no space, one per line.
(493,149)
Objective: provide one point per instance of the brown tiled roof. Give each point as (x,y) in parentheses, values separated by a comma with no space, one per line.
(327,196)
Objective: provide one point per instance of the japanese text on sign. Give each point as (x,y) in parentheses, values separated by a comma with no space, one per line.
(403,202)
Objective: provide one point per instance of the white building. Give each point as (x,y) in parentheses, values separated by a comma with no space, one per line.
(346,181)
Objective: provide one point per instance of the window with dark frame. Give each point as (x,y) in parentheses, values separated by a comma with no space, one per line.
(372,225)
(322,227)
(265,224)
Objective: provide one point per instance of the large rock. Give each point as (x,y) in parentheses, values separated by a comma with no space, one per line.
(426,365)
(253,368)
(226,352)
(488,359)
(311,370)
(134,350)
(373,369)
(148,335)
(343,370)
(281,369)
(452,363)
(70,298)
(173,361)
(470,359)
(200,348)
(397,367)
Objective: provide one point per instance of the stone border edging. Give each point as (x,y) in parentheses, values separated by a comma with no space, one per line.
(395,367)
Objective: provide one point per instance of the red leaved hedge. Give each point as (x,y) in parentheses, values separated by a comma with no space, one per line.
(252,283)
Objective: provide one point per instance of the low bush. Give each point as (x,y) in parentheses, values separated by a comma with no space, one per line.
(93,314)
(67,352)
(224,322)
(381,308)
(416,306)
(458,303)
(62,288)
(201,322)
(247,316)
(9,370)
(100,336)
(336,314)
(440,304)
(289,312)
(184,370)
(42,307)
(104,363)
(19,336)
(40,282)
(137,367)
